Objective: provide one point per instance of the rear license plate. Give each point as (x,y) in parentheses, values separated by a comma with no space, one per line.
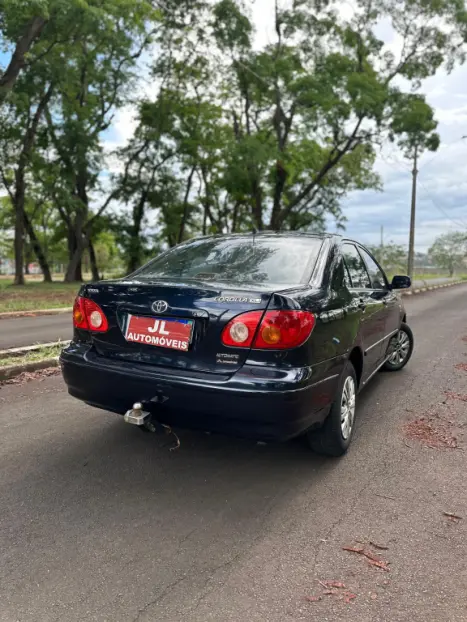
(167,333)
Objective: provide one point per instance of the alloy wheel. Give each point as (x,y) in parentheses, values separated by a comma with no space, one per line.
(348,407)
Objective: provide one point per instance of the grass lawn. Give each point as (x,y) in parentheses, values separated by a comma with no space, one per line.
(36,295)
(41,354)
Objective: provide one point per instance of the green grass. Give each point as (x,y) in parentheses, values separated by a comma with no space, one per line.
(36,295)
(41,354)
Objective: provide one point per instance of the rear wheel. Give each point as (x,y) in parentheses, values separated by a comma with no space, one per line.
(400,349)
(334,438)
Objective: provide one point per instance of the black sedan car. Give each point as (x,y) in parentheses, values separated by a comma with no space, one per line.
(267,336)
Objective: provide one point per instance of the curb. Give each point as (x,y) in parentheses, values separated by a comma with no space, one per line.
(18,314)
(13,352)
(6,373)
(421,290)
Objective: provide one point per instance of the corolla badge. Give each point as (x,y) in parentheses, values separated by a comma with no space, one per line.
(160,306)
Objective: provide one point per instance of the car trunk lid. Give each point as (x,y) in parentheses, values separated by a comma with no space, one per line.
(172,325)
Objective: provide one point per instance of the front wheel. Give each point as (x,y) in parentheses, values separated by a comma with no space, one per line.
(334,438)
(400,349)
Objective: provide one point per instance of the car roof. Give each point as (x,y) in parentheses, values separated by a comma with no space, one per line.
(267,234)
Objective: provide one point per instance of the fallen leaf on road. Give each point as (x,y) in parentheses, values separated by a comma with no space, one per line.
(329,584)
(361,551)
(349,597)
(353,549)
(374,596)
(312,599)
(432,431)
(27,376)
(462,366)
(379,564)
(371,557)
(452,516)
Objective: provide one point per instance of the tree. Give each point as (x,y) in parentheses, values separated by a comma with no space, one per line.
(390,256)
(96,80)
(32,28)
(449,251)
(300,120)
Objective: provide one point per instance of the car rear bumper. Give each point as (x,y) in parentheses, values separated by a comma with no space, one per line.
(253,403)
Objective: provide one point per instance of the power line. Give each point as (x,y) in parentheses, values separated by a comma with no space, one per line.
(459,223)
(427,193)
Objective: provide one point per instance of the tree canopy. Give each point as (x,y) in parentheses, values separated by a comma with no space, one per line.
(228,136)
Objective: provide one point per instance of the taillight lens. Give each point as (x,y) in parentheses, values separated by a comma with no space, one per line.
(240,331)
(87,315)
(278,330)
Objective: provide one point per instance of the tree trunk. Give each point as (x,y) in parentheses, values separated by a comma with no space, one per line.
(135,258)
(181,231)
(20,184)
(19,225)
(75,254)
(258,205)
(74,272)
(93,260)
(38,251)
(18,60)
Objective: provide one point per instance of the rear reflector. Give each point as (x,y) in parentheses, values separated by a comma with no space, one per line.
(278,330)
(87,315)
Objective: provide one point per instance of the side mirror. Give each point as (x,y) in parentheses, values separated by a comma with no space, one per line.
(401,282)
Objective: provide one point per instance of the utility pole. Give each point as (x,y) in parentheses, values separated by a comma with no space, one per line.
(412,215)
(382,236)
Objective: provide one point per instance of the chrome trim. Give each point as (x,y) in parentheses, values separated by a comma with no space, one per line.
(394,332)
(376,370)
(324,380)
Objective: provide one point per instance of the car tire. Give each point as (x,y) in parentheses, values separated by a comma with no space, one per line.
(335,436)
(403,343)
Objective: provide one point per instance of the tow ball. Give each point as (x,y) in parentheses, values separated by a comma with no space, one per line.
(137,416)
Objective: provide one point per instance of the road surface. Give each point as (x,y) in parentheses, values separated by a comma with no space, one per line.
(101,523)
(18,332)
(27,331)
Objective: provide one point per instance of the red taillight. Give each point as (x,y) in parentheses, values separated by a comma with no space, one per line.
(87,315)
(240,331)
(279,330)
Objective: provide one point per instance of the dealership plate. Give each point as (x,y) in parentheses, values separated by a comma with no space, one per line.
(163,333)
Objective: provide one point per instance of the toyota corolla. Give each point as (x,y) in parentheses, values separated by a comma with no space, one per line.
(266,336)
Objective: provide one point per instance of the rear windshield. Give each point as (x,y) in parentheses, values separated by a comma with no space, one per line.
(252,260)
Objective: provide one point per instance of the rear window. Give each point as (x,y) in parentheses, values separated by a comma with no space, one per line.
(252,260)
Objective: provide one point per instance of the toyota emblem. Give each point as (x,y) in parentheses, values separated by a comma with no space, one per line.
(160,306)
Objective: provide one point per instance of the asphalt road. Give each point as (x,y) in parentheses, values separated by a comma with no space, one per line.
(100,522)
(27,331)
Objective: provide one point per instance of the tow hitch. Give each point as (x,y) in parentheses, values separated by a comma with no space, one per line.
(144,419)
(137,416)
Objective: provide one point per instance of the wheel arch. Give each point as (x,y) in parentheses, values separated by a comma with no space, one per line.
(356,358)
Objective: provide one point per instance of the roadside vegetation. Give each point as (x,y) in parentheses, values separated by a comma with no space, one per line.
(41,354)
(35,295)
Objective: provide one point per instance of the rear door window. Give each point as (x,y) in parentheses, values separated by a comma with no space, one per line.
(253,260)
(356,268)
